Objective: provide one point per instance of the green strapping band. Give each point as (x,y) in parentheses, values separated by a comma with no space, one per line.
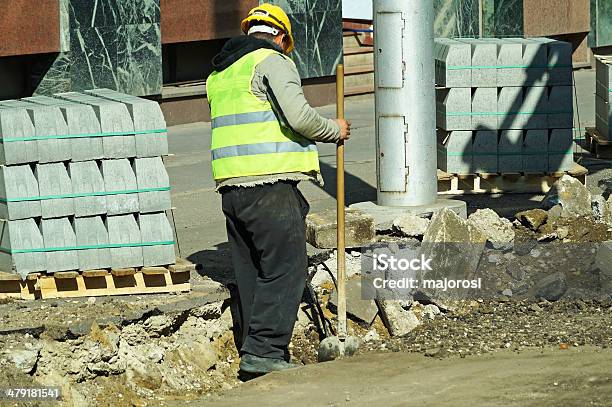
(502,113)
(89,247)
(68,136)
(84,194)
(463,67)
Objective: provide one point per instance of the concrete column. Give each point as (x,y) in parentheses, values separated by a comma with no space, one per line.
(405,102)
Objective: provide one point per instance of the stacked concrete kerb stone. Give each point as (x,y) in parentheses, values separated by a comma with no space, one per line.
(603,94)
(82,183)
(504,105)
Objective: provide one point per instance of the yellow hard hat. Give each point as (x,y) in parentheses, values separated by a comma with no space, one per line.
(271,15)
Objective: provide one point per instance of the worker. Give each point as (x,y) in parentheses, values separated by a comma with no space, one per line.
(263,144)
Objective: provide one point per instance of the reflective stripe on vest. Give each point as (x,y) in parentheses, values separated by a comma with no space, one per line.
(247,137)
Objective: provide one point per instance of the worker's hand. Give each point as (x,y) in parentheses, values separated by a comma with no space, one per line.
(345,129)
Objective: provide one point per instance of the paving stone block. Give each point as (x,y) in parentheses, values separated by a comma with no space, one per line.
(484,100)
(603,117)
(146,116)
(119,176)
(321,229)
(453,61)
(484,62)
(155,227)
(535,151)
(535,57)
(124,230)
(455,151)
(454,109)
(509,150)
(151,174)
(559,62)
(560,150)
(91,231)
(18,182)
(364,310)
(80,120)
(603,79)
(535,107)
(16,123)
(48,122)
(54,181)
(509,57)
(560,107)
(58,233)
(114,118)
(485,152)
(86,177)
(22,234)
(509,103)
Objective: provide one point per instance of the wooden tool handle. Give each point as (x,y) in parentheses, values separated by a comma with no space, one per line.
(340,209)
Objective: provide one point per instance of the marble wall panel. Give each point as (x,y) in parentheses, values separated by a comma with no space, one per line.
(601,23)
(112,44)
(502,18)
(456,18)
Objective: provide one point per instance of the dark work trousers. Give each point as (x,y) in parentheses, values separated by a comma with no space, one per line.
(267,234)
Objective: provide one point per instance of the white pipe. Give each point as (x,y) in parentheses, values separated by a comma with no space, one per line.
(405,102)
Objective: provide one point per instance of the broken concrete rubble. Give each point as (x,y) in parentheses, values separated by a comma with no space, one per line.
(574,197)
(398,321)
(533,218)
(411,225)
(551,287)
(498,230)
(321,229)
(362,309)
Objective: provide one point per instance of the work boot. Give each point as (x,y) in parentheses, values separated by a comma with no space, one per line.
(255,364)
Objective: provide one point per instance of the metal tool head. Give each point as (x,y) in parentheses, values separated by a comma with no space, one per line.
(332,348)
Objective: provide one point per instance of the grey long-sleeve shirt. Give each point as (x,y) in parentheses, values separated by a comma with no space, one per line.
(277,80)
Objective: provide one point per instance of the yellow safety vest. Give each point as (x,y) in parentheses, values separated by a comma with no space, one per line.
(247,137)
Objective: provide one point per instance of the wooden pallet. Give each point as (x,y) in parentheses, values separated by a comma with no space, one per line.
(599,146)
(95,283)
(454,184)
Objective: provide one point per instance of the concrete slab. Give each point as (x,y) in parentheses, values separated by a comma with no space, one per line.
(91,231)
(17,182)
(321,229)
(48,122)
(54,181)
(385,215)
(455,151)
(86,177)
(561,150)
(58,233)
(151,174)
(81,120)
(146,116)
(15,123)
(114,118)
(119,176)
(155,227)
(485,152)
(22,234)
(361,309)
(124,230)
(509,150)
(484,109)
(535,151)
